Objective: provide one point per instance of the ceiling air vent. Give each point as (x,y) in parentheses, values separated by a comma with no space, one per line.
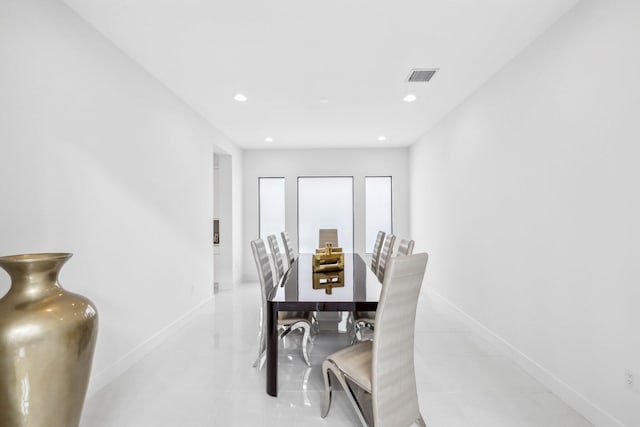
(421,75)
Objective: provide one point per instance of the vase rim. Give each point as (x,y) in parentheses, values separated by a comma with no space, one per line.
(45,256)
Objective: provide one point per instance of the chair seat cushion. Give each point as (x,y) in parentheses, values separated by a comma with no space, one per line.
(355,363)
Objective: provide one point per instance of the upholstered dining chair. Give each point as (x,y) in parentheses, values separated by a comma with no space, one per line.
(377,247)
(288,247)
(328,235)
(287,321)
(384,367)
(405,247)
(366,319)
(277,257)
(385,254)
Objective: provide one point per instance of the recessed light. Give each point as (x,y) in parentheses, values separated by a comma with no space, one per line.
(382,138)
(324,100)
(410,98)
(240,97)
(268,139)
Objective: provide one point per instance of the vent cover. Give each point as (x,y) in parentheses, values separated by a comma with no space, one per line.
(421,75)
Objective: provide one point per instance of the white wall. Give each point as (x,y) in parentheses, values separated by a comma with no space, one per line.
(99,159)
(526,197)
(348,162)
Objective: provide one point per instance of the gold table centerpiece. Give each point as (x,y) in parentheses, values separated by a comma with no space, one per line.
(328,259)
(328,268)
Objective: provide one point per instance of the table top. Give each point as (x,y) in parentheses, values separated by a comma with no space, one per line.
(359,288)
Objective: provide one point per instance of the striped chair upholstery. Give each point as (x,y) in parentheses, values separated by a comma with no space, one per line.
(288,247)
(277,257)
(385,254)
(405,247)
(377,247)
(265,275)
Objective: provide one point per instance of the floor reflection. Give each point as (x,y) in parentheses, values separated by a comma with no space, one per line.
(203,377)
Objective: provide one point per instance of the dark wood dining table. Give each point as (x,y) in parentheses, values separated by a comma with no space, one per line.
(359,291)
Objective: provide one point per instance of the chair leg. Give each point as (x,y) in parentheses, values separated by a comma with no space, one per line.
(350,323)
(327,366)
(420,422)
(327,391)
(357,332)
(260,360)
(285,331)
(306,336)
(261,349)
(262,340)
(357,335)
(315,324)
(305,387)
(358,326)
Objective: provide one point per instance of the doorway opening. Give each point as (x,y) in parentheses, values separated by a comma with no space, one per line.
(222,222)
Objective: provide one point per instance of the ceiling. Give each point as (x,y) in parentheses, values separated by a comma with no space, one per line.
(285,55)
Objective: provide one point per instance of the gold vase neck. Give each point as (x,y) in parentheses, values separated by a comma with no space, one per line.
(33,274)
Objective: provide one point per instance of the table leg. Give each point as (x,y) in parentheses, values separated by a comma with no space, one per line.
(272,349)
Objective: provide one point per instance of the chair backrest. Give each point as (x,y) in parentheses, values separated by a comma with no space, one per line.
(277,257)
(405,247)
(394,395)
(328,235)
(377,247)
(288,247)
(263,265)
(265,275)
(385,254)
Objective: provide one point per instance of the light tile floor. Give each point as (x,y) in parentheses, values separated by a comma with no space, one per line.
(203,376)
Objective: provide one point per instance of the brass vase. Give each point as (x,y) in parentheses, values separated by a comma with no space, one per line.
(47,338)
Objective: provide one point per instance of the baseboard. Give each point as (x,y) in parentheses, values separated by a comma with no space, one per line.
(107,375)
(596,415)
